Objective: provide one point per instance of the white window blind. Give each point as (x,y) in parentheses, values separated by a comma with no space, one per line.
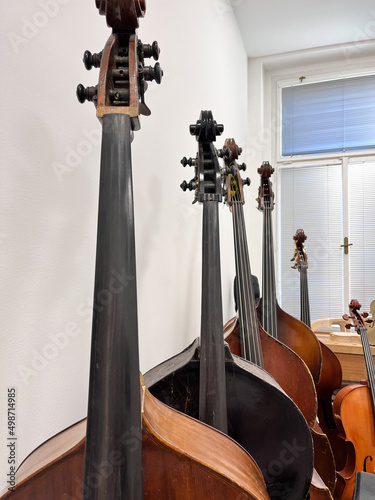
(362,233)
(329,116)
(311,199)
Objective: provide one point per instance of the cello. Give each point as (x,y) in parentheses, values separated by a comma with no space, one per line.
(132,446)
(207,382)
(247,338)
(331,374)
(354,413)
(281,325)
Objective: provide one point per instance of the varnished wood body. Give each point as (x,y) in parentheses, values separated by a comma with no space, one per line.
(180,461)
(354,416)
(330,381)
(285,367)
(298,337)
(291,373)
(258,416)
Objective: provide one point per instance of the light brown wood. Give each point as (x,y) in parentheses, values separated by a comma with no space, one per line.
(182,458)
(350,356)
(355,422)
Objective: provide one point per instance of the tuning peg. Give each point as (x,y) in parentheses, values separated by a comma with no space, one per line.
(345,317)
(188,185)
(224,152)
(195,129)
(242,167)
(153,73)
(92,60)
(86,94)
(246,182)
(147,50)
(348,326)
(185,161)
(365,315)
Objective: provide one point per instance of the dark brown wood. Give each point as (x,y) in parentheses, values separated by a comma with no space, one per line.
(122,15)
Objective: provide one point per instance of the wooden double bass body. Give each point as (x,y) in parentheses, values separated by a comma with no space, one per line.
(179,455)
(132,446)
(247,338)
(354,413)
(207,382)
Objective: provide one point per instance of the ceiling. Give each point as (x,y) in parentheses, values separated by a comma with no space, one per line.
(274,26)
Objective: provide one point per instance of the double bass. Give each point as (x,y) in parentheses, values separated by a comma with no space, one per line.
(131,446)
(248,339)
(354,413)
(278,323)
(207,382)
(331,375)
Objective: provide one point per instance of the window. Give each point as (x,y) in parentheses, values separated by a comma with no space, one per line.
(329,116)
(326,186)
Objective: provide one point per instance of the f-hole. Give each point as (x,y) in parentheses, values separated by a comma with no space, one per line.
(364,463)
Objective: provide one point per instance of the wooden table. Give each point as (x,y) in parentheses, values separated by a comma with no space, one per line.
(350,355)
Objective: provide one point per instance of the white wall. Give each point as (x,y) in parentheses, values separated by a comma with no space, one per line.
(48,224)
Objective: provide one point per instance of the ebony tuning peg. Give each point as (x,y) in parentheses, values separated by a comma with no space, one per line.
(242,167)
(92,60)
(185,161)
(224,152)
(187,185)
(153,73)
(86,94)
(150,50)
(246,182)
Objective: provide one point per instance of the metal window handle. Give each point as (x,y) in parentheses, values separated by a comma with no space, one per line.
(346,245)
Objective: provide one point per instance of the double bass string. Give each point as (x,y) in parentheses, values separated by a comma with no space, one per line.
(248,319)
(252,328)
(269,313)
(239,273)
(370,366)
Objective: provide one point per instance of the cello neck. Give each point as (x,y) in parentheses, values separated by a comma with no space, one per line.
(369,361)
(358,322)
